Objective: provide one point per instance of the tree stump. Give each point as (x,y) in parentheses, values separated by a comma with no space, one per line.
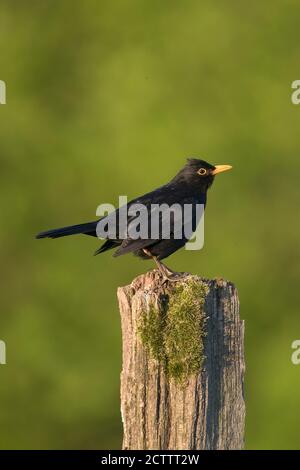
(204,409)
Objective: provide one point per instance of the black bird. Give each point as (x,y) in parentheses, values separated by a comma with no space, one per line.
(189,186)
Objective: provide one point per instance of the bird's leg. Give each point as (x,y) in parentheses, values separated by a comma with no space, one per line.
(160,266)
(167,273)
(171,275)
(163,269)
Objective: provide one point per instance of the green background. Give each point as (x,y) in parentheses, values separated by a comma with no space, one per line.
(107,98)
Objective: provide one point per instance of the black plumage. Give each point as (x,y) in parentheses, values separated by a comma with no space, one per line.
(189,186)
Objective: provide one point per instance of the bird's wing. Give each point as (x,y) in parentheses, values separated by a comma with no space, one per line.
(160,222)
(111,226)
(129,246)
(151,209)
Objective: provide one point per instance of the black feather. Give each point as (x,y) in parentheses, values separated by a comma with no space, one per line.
(88,228)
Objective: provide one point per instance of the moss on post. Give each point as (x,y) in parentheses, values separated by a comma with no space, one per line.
(174,334)
(183,364)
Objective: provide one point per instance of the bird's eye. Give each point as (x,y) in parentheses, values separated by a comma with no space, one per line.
(202,171)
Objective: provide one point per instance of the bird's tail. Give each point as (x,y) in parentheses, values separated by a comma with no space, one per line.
(88,229)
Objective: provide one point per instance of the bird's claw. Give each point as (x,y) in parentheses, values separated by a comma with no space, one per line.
(174,277)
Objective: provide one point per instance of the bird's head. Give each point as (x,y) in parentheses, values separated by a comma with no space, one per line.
(199,173)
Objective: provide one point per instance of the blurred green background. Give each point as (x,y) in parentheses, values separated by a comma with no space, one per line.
(107,98)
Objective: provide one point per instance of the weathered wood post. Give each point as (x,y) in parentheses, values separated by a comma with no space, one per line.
(183,364)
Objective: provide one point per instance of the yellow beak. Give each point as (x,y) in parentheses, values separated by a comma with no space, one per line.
(221,168)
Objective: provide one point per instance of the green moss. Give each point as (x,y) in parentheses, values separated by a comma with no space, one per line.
(174,334)
(151,329)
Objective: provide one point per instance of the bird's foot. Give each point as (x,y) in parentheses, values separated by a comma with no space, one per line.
(167,273)
(172,276)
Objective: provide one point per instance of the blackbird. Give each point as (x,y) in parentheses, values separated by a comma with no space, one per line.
(188,187)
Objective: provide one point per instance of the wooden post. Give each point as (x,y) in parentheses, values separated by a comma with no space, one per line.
(207,410)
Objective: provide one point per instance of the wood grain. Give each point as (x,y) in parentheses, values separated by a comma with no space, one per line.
(208,411)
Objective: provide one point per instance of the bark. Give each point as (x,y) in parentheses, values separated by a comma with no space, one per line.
(208,410)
